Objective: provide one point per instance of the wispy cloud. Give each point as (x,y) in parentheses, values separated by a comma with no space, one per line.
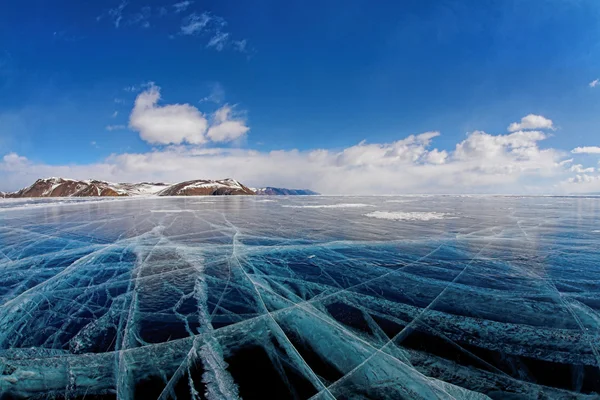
(116,14)
(115,127)
(203,24)
(218,41)
(240,45)
(213,27)
(65,37)
(114,115)
(217,94)
(182,6)
(594,83)
(195,23)
(141,18)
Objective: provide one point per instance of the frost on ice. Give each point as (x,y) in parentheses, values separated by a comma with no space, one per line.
(237,298)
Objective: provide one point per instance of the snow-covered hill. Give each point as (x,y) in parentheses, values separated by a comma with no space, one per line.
(203,187)
(64,187)
(273,191)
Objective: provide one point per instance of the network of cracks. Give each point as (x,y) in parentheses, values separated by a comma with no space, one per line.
(188,302)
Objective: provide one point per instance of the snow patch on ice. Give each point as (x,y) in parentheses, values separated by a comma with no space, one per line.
(170,211)
(408,216)
(343,205)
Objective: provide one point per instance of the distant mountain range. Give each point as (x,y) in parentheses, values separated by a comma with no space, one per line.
(273,191)
(64,187)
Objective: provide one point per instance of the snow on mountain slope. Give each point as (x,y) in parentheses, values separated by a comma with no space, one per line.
(64,187)
(204,187)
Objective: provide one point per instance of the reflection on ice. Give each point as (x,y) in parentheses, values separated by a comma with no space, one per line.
(240,298)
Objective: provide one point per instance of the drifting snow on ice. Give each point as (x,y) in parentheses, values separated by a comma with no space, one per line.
(235,298)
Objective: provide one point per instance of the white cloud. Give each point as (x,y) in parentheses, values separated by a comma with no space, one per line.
(195,23)
(219,40)
(531,121)
(594,83)
(14,162)
(586,150)
(114,115)
(481,163)
(115,127)
(578,179)
(182,6)
(240,45)
(578,168)
(181,123)
(437,157)
(116,14)
(224,127)
(170,124)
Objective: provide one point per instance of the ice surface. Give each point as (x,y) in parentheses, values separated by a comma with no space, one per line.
(408,216)
(340,205)
(235,298)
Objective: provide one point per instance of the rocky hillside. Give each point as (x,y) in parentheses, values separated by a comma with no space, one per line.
(204,187)
(273,191)
(63,187)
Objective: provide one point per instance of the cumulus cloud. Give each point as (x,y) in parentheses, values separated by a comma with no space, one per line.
(226,128)
(586,150)
(531,121)
(594,83)
(578,168)
(583,178)
(169,124)
(13,161)
(481,163)
(181,123)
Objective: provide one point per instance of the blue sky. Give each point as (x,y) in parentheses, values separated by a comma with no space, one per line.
(308,81)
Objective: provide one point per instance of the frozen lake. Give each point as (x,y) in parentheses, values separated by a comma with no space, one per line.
(415,297)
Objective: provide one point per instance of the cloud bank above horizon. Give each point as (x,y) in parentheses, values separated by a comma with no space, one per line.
(481,163)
